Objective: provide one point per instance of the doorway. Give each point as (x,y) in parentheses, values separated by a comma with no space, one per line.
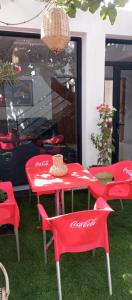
(118,91)
(122,100)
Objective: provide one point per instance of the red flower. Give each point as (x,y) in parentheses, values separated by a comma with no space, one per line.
(104,108)
(1,98)
(17,68)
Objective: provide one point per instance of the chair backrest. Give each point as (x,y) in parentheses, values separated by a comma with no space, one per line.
(78,231)
(39,161)
(9,211)
(8,188)
(118,189)
(121,170)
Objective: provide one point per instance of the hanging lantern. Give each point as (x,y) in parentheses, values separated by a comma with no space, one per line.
(55,31)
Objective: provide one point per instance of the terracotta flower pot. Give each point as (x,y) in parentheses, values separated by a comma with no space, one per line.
(58,168)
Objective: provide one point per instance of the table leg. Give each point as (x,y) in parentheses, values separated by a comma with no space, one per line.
(57,202)
(62,201)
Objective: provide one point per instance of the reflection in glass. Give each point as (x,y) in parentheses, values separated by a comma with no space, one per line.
(38,113)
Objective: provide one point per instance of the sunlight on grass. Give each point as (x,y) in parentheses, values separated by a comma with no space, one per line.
(128,279)
(130,246)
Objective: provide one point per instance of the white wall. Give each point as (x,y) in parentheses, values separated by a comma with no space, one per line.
(93,32)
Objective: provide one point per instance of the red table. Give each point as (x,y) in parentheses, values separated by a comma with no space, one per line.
(42,181)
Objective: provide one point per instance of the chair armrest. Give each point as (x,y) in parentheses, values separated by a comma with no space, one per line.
(42,211)
(111,184)
(44,216)
(102,204)
(115,182)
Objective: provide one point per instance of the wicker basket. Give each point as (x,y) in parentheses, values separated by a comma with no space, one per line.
(4,291)
(55,31)
(58,168)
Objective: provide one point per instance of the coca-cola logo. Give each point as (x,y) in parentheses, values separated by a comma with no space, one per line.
(84,224)
(43,163)
(127,171)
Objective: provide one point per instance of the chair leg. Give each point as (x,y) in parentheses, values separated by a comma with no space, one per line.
(58,280)
(57,204)
(17,243)
(45,250)
(121,202)
(38,201)
(72,200)
(89,198)
(109,273)
(62,202)
(30,195)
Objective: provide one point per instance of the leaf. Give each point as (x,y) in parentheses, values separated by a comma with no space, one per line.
(104,13)
(120,3)
(71,12)
(78,3)
(109,12)
(112,13)
(93,6)
(84,6)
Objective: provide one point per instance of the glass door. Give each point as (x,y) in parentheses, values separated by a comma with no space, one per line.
(41,112)
(122,92)
(125,115)
(118,91)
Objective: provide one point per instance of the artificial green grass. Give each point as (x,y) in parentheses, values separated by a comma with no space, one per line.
(83,275)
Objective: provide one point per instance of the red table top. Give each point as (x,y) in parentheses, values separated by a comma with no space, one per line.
(42,181)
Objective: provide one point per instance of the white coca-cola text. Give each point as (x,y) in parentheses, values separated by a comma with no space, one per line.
(84,224)
(43,163)
(127,171)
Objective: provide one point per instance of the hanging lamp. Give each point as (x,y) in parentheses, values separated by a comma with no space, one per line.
(55,31)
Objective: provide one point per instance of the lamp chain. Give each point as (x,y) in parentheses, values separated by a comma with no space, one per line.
(44,9)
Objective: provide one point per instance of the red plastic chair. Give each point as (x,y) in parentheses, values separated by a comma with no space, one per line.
(119,188)
(6,141)
(78,232)
(121,170)
(9,211)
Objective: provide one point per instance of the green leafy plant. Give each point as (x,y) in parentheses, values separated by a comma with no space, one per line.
(108,9)
(103,141)
(8,72)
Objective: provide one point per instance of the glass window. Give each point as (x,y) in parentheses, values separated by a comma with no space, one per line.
(38,114)
(108,85)
(118,52)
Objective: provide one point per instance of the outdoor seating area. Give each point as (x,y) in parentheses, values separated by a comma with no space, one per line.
(83,275)
(65,150)
(74,234)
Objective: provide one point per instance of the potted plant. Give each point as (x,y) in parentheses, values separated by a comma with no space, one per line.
(103,140)
(8,72)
